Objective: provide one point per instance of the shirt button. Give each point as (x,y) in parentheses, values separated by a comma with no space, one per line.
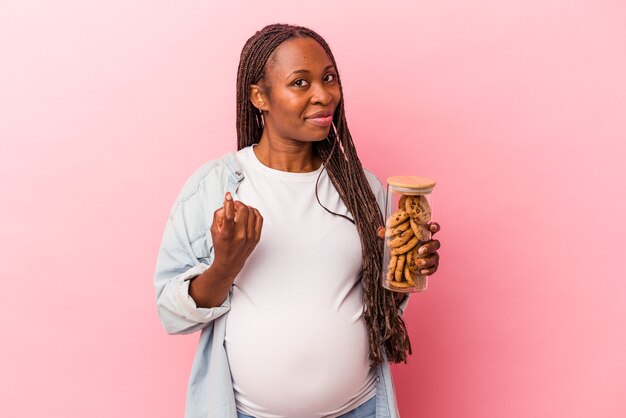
(238,173)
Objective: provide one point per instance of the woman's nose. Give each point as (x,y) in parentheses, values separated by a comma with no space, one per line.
(322,94)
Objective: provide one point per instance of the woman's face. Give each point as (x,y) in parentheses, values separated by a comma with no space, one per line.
(302,91)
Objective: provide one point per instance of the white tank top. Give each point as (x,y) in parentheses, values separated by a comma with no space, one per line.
(296,340)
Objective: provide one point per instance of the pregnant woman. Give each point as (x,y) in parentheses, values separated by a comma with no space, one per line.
(274,253)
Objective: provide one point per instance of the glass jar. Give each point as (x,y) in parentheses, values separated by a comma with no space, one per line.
(408,213)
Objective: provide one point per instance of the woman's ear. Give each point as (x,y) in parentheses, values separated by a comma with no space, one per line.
(257,97)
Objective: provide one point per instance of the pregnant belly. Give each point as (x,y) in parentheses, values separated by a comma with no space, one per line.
(306,364)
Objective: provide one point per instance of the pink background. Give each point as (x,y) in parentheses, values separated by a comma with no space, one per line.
(517,108)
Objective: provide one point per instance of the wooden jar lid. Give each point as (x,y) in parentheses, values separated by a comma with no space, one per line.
(412,182)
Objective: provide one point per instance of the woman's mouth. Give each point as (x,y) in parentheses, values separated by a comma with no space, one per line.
(323,118)
(321,121)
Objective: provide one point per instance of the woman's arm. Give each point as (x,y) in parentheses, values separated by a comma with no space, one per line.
(192,294)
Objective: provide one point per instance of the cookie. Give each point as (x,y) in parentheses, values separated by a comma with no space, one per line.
(409,276)
(397,218)
(406,247)
(399,285)
(400,267)
(401,239)
(391,232)
(421,231)
(402,201)
(411,259)
(417,208)
(391,270)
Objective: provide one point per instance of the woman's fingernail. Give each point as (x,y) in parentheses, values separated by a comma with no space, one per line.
(426,271)
(228,196)
(421,262)
(423,250)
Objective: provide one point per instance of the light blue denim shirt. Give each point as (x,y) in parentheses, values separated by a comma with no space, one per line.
(186,252)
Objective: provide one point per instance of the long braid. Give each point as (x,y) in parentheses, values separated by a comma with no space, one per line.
(386,328)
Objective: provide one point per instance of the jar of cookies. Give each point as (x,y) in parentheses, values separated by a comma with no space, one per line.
(408,213)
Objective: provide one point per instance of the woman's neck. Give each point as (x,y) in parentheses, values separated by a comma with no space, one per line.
(287,155)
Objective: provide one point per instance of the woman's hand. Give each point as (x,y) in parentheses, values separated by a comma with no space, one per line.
(429,259)
(236,230)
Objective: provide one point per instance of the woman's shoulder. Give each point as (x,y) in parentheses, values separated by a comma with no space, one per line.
(213,174)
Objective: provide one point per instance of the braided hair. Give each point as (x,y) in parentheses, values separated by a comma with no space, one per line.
(386,328)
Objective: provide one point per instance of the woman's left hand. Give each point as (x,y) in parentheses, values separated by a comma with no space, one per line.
(428,260)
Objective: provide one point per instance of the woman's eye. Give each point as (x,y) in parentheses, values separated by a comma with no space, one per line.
(329,77)
(301,82)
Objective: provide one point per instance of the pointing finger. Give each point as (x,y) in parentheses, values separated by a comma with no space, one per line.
(229,208)
(228,224)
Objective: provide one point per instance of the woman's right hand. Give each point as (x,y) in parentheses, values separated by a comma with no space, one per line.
(236,230)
